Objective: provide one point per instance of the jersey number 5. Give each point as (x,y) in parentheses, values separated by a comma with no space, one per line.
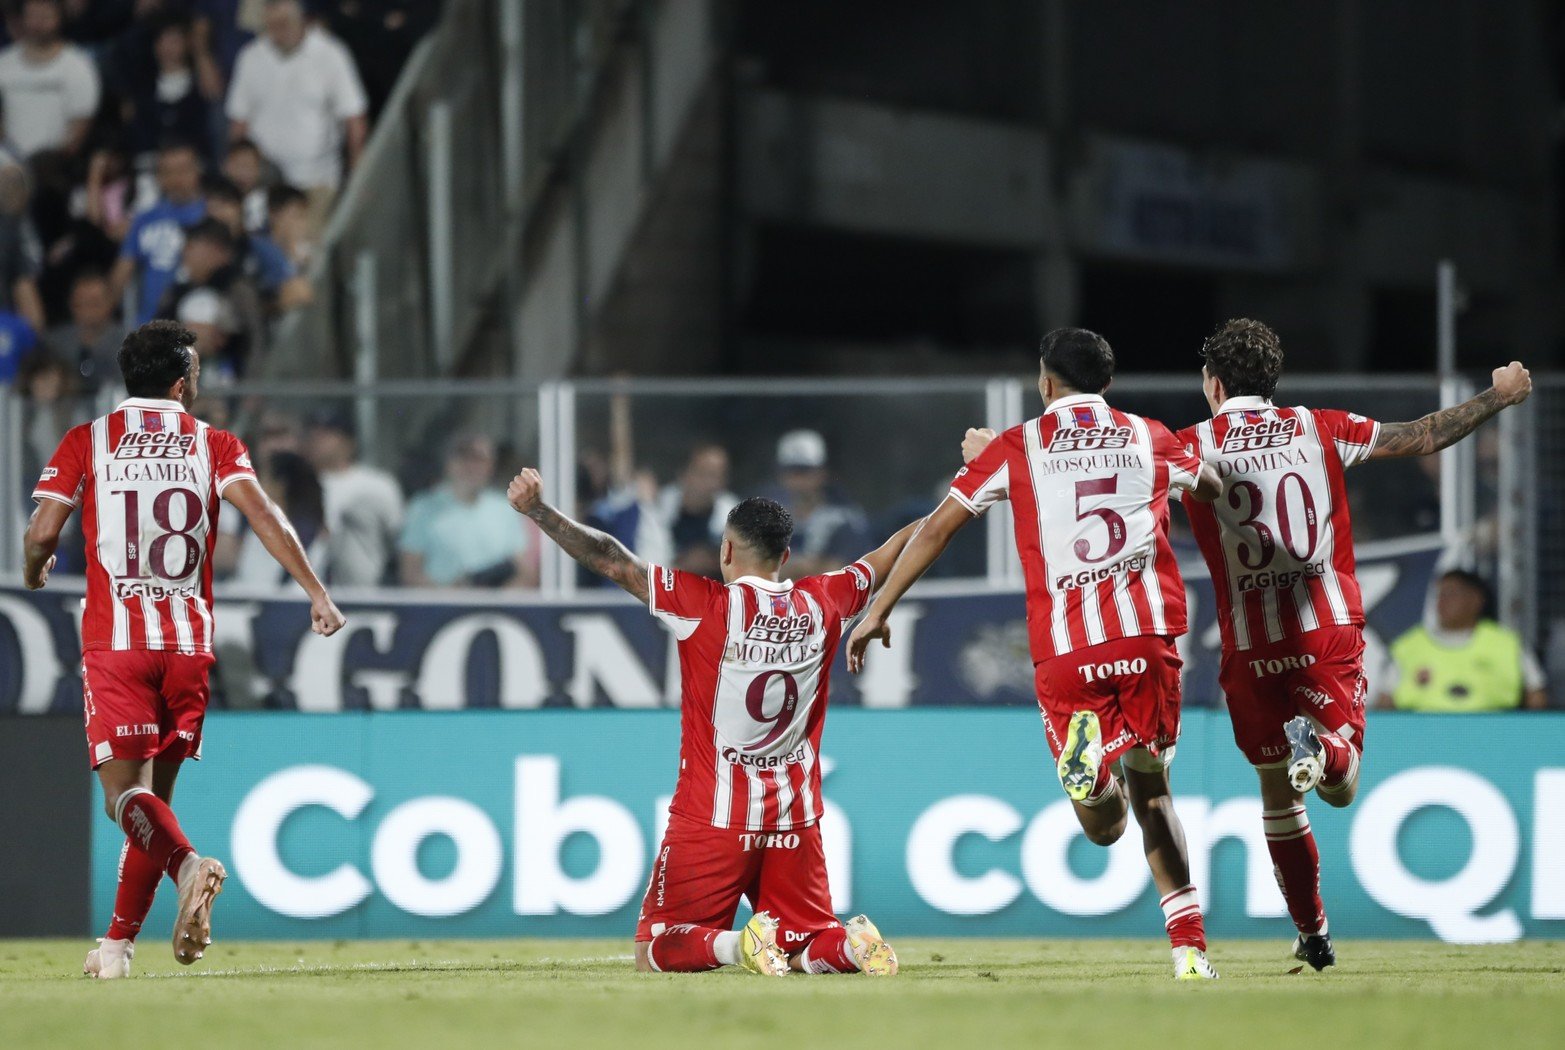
(1111,520)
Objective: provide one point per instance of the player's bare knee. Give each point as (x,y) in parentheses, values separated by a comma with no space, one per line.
(1105,835)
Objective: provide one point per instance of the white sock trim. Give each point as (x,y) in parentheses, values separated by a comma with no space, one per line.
(123,800)
(1103,796)
(726,947)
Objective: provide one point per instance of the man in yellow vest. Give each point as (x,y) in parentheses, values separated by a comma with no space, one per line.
(1466,662)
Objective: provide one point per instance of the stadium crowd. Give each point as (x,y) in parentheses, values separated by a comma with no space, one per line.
(178,159)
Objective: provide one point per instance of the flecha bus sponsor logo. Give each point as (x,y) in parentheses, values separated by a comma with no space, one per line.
(1090,439)
(1261,434)
(155,445)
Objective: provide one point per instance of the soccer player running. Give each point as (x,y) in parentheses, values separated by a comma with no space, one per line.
(1089,487)
(755,654)
(148,477)
(1279,545)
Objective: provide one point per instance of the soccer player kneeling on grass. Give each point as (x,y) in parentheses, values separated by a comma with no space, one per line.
(1089,486)
(149,478)
(755,653)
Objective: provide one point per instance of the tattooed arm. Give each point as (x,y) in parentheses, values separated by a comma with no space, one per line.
(598,551)
(1446,427)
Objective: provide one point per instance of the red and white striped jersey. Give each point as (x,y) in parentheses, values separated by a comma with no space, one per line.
(1279,540)
(147,478)
(754,662)
(1089,488)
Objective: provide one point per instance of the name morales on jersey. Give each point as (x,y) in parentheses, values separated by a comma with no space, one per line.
(1253,437)
(1089,577)
(1089,439)
(158,444)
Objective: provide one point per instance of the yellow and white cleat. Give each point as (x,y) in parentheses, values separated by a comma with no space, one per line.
(876,957)
(200,881)
(1082,756)
(110,960)
(1191,964)
(758,951)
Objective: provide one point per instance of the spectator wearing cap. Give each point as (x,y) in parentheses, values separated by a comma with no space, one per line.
(50,86)
(827,528)
(90,343)
(463,533)
(694,509)
(1465,661)
(150,255)
(21,259)
(257,258)
(297,95)
(363,503)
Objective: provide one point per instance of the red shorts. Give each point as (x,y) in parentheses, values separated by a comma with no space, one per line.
(1318,674)
(701,872)
(1132,684)
(143,704)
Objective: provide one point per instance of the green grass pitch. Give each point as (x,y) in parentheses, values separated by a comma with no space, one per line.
(970,994)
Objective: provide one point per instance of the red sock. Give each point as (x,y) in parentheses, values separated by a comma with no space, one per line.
(829,952)
(1182,919)
(150,826)
(1341,761)
(684,949)
(1297,863)
(139,878)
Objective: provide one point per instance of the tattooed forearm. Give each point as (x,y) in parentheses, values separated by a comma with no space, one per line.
(1437,430)
(597,551)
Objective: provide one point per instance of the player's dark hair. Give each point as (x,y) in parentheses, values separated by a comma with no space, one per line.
(156,356)
(213,231)
(1246,355)
(217,187)
(763,525)
(1082,360)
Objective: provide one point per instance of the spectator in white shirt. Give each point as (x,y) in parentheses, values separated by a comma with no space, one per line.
(297,96)
(363,503)
(50,87)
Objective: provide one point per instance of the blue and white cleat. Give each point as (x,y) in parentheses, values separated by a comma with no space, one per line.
(875,957)
(1082,756)
(1191,964)
(1307,763)
(758,951)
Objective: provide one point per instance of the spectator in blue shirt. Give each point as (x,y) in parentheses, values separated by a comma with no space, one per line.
(458,534)
(151,252)
(17,339)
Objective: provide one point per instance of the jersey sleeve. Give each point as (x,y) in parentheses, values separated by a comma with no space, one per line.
(849,588)
(680,599)
(66,475)
(986,480)
(230,460)
(1184,461)
(1353,434)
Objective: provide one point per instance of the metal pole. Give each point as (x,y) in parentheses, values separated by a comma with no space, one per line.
(565,449)
(441,224)
(1451,524)
(10,483)
(549,462)
(366,359)
(1517,540)
(513,112)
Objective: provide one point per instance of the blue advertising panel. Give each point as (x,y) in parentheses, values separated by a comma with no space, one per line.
(940,821)
(956,644)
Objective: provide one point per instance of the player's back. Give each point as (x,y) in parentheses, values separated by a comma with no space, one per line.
(755,662)
(1279,539)
(1089,488)
(147,478)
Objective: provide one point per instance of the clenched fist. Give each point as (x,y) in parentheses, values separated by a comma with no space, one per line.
(976,440)
(525,491)
(1513,382)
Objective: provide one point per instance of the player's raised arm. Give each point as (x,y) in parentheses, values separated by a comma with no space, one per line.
(596,550)
(928,541)
(41,541)
(1438,430)
(277,535)
(882,558)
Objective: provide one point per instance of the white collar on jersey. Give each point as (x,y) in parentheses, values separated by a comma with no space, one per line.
(1073,400)
(1244,404)
(775,586)
(151,404)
